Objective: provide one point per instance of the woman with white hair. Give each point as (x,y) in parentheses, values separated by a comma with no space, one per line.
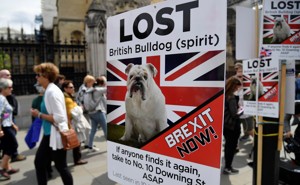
(7,130)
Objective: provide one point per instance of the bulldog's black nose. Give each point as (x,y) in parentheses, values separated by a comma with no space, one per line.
(137,78)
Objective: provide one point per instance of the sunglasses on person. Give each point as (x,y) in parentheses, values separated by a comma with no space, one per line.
(38,75)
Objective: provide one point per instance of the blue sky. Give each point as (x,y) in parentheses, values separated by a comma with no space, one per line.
(19,13)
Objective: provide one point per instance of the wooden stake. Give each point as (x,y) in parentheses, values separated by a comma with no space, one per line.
(282,105)
(259,152)
(260,127)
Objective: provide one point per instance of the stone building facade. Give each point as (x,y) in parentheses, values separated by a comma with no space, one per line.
(95,30)
(86,20)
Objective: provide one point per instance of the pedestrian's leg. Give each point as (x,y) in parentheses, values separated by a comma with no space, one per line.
(229,148)
(93,130)
(87,131)
(76,154)
(41,161)
(60,160)
(102,117)
(250,122)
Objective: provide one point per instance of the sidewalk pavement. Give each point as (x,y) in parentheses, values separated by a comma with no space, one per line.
(95,172)
(92,173)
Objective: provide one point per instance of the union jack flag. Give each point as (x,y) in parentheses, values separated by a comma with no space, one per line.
(292,20)
(186,80)
(268,81)
(265,52)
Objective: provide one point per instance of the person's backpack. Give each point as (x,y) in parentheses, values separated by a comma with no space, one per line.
(88,101)
(79,95)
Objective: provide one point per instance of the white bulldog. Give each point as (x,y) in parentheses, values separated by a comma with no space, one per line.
(145,104)
(253,86)
(281,30)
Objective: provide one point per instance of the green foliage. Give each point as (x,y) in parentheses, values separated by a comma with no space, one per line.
(267,40)
(5,62)
(115,132)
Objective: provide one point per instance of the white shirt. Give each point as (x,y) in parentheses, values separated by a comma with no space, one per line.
(6,112)
(55,105)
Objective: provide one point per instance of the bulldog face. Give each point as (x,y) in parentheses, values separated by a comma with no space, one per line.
(253,81)
(279,21)
(139,78)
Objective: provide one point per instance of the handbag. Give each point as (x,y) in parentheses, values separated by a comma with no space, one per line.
(33,135)
(69,138)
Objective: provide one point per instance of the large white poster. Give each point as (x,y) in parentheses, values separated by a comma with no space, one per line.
(166,77)
(245,33)
(290,86)
(281,28)
(261,87)
(174,28)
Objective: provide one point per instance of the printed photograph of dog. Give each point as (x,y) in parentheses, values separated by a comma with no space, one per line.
(276,29)
(253,86)
(146,113)
(281,30)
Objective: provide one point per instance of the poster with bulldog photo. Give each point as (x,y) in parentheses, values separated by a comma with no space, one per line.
(165,71)
(261,87)
(281,28)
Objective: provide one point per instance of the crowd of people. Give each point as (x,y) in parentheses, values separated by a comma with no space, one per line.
(59,108)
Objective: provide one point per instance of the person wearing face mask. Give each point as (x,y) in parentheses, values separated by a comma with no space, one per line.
(247,120)
(232,126)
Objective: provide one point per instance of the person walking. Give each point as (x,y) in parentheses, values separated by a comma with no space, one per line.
(69,90)
(60,80)
(247,120)
(54,115)
(232,126)
(79,100)
(4,73)
(8,130)
(95,103)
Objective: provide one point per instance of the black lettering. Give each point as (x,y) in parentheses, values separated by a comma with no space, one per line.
(123,37)
(149,29)
(186,9)
(281,5)
(285,5)
(164,21)
(249,66)
(203,139)
(297,5)
(268,60)
(290,5)
(192,144)
(272,5)
(255,64)
(183,150)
